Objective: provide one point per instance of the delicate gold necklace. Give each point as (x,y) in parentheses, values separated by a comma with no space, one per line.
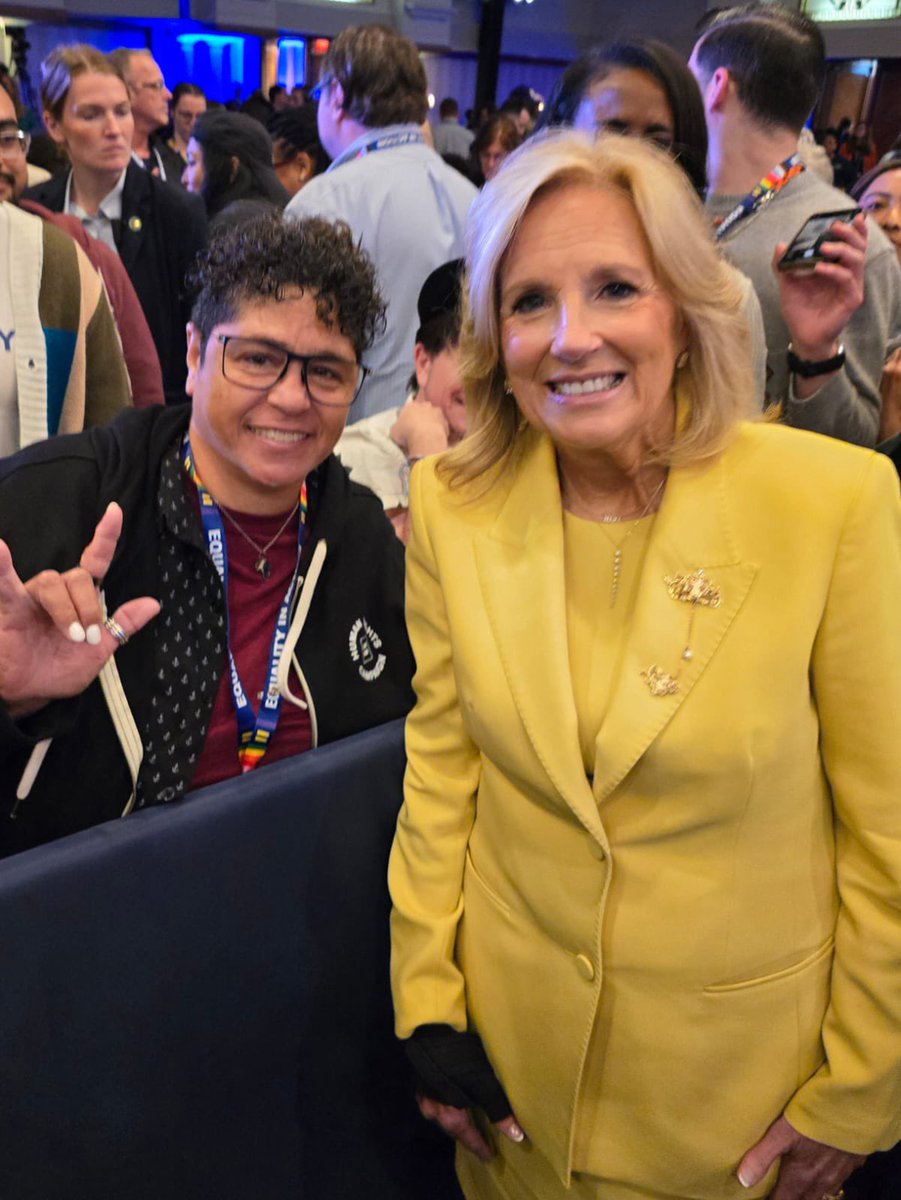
(618,547)
(263,566)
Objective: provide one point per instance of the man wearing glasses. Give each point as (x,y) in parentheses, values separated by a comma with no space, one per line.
(149,98)
(61,365)
(270,586)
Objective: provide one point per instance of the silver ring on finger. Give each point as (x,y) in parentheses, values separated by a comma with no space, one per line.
(111,624)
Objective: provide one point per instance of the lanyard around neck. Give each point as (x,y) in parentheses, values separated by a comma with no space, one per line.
(255,731)
(389,141)
(142,163)
(762,194)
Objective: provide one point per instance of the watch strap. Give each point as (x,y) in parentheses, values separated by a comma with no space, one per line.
(810,370)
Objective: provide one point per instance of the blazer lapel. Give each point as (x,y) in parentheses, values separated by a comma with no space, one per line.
(135,214)
(690,534)
(521,571)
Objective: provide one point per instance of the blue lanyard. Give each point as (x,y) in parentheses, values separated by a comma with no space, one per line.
(255,730)
(409,137)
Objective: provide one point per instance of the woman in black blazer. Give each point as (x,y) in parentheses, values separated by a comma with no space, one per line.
(156,227)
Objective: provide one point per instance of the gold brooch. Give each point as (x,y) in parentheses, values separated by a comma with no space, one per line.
(695,588)
(659,682)
(135,224)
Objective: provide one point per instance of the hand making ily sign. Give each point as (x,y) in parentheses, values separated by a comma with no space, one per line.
(54,639)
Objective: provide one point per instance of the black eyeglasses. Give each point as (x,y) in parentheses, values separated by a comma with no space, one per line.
(253,363)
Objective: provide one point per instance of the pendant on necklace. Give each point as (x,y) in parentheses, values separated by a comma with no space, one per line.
(263,566)
(617,568)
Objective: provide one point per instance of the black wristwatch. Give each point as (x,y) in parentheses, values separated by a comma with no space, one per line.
(810,370)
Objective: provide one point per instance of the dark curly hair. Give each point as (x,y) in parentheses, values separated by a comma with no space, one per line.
(267,256)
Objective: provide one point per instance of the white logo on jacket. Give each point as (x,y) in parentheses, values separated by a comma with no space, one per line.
(364,646)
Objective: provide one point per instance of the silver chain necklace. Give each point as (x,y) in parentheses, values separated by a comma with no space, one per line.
(262,566)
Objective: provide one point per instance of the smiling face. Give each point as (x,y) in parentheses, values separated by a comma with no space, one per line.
(589,339)
(882,200)
(255,447)
(96,123)
(629,102)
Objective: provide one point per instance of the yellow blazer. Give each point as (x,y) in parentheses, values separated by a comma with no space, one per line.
(718,913)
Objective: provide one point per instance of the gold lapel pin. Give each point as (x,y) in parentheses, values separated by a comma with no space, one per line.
(135,224)
(698,591)
(695,588)
(659,682)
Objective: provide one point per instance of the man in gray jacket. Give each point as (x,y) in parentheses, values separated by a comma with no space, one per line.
(760,67)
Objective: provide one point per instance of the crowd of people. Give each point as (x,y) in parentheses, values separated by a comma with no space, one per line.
(575,381)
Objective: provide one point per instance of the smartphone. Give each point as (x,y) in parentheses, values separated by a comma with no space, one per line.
(805,250)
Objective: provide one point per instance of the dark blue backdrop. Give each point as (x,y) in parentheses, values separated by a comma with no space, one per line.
(194,1001)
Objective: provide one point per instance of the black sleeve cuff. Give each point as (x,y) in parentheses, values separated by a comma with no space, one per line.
(453,1068)
(56,718)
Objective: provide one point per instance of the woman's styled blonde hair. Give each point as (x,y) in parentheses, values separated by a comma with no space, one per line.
(716,386)
(65,64)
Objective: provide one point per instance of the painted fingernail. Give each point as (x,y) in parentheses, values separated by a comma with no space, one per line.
(76,632)
(744,1180)
(93,635)
(517,1134)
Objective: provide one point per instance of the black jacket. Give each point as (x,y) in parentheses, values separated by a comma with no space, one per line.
(162,229)
(173,163)
(51,497)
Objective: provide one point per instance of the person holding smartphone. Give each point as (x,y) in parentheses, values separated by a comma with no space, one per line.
(760,70)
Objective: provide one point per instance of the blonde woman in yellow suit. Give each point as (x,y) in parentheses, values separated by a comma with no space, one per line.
(650,850)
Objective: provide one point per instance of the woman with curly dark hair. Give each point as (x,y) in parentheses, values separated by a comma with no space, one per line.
(230,159)
(271,586)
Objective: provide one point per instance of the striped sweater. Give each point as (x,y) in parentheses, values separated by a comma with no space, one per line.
(69,367)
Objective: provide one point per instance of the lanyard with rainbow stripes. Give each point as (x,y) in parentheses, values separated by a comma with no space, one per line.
(768,187)
(255,730)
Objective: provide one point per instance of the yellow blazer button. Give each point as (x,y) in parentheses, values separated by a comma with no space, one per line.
(585,967)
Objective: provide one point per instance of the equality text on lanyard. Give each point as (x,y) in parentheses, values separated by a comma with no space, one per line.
(255,731)
(769,187)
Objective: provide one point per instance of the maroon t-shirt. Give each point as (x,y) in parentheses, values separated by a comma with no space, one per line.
(253,604)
